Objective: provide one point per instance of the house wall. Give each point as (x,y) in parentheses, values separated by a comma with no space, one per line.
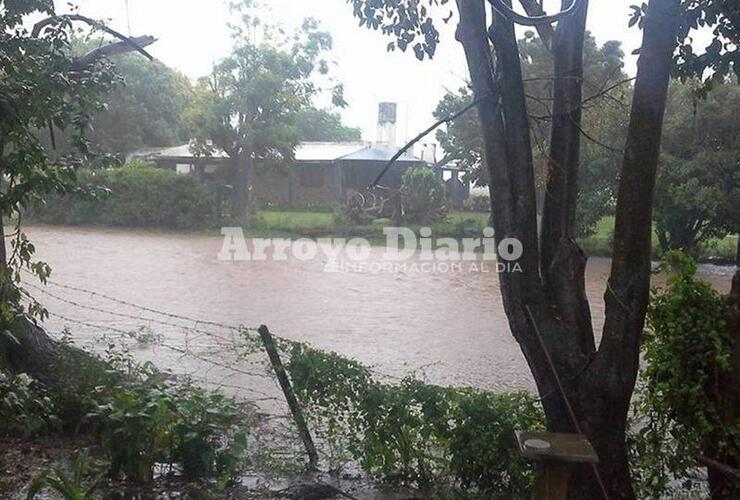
(358,175)
(305,184)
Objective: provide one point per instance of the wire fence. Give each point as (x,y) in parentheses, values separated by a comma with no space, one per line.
(228,357)
(214,354)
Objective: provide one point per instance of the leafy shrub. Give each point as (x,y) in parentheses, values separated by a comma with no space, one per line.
(204,420)
(687,352)
(146,419)
(148,423)
(137,195)
(415,433)
(423,197)
(24,407)
(478,203)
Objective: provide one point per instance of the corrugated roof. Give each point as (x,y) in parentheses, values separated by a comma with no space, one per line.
(306,151)
(380,153)
(326,151)
(182,151)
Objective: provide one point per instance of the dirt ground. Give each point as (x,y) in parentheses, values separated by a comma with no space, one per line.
(22,460)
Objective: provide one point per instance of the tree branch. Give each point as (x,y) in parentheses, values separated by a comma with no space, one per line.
(534,20)
(39,26)
(628,287)
(112,49)
(533,9)
(419,137)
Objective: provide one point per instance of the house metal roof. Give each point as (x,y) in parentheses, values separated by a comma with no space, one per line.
(326,151)
(306,151)
(380,153)
(182,151)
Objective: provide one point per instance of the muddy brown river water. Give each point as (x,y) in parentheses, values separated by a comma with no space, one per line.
(449,325)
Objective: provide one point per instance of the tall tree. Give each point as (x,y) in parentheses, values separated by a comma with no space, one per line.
(146,110)
(248,108)
(316,124)
(584,389)
(698,191)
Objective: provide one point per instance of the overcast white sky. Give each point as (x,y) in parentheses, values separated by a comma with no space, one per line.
(193,34)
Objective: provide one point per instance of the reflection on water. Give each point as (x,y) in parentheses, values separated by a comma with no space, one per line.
(451,324)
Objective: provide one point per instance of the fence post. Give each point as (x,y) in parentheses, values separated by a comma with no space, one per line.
(295,409)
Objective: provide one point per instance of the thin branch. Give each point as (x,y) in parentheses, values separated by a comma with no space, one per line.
(534,20)
(419,137)
(549,117)
(725,469)
(595,140)
(113,49)
(603,93)
(606,91)
(92,22)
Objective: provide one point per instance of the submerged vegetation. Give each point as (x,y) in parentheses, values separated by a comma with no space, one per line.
(144,422)
(412,433)
(144,426)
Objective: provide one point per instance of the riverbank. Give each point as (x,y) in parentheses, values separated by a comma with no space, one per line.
(294,224)
(459,224)
(124,427)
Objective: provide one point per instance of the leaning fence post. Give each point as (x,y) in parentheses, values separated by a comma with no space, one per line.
(295,409)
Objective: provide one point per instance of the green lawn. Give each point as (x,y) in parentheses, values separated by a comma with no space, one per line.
(292,221)
(600,243)
(301,223)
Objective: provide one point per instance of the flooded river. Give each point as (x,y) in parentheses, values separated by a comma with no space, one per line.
(449,324)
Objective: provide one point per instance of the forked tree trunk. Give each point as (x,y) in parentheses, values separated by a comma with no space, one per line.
(546,303)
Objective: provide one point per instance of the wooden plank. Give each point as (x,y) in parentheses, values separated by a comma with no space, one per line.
(556,447)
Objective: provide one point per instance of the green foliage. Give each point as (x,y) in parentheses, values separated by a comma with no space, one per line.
(151,421)
(69,488)
(697,194)
(410,22)
(719,59)
(323,125)
(43,89)
(136,195)
(146,111)
(423,197)
(248,108)
(25,409)
(687,350)
(417,434)
(478,203)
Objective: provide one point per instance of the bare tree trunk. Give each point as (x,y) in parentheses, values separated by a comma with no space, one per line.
(627,294)
(241,170)
(628,287)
